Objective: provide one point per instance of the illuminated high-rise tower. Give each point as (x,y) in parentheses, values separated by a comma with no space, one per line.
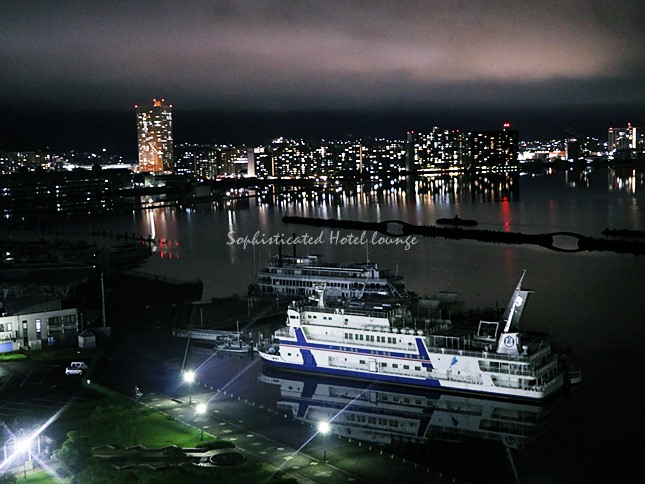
(154,134)
(624,138)
(495,148)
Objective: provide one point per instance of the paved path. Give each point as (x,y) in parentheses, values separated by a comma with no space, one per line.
(292,447)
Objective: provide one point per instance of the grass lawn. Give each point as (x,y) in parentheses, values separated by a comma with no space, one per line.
(122,423)
(12,356)
(37,476)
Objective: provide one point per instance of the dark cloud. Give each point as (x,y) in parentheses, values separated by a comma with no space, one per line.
(322,55)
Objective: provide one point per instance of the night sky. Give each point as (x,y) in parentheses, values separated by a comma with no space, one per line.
(245,71)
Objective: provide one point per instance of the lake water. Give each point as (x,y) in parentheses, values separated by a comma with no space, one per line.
(592,302)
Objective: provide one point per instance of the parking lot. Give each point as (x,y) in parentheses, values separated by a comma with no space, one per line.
(31,389)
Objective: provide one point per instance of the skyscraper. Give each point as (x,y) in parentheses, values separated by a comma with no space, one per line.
(154,134)
(495,148)
(624,138)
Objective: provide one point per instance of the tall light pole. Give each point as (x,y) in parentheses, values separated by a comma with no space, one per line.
(323,428)
(189,377)
(201,410)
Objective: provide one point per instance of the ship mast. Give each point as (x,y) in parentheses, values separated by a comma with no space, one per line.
(516,301)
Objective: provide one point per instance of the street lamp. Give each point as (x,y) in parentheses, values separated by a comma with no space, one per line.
(23,446)
(323,428)
(201,410)
(189,377)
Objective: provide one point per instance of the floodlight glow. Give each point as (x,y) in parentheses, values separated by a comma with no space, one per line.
(23,445)
(323,427)
(201,408)
(189,376)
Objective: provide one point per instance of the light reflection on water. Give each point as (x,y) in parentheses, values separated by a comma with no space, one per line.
(590,301)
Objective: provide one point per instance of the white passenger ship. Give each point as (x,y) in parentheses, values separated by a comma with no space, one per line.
(298,276)
(382,343)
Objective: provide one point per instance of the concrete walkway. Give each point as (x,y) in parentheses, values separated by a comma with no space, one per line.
(293,448)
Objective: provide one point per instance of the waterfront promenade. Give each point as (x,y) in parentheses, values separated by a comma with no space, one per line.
(293,448)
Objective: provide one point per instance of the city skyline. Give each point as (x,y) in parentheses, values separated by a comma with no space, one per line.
(248,71)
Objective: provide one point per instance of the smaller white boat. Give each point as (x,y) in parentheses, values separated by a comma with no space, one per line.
(233,344)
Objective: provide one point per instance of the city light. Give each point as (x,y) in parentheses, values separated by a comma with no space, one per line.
(189,377)
(323,427)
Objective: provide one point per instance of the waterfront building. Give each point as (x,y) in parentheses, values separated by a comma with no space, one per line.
(574,152)
(494,148)
(11,162)
(154,135)
(440,148)
(622,138)
(625,144)
(78,190)
(195,160)
(37,324)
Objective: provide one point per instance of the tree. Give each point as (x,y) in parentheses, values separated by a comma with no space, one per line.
(8,478)
(75,454)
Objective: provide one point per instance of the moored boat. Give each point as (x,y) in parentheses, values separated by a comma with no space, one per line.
(383,342)
(457,221)
(298,276)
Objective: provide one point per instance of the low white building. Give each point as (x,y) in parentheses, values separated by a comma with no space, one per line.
(37,325)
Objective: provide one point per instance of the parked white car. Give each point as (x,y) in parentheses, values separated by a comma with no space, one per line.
(76,368)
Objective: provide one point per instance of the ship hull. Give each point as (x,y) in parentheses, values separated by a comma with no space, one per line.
(427,382)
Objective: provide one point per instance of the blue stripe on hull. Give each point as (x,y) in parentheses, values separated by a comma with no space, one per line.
(301,342)
(379,377)
(358,374)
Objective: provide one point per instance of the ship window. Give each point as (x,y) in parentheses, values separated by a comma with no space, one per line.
(417,368)
(383,364)
(406,367)
(395,365)
(362,362)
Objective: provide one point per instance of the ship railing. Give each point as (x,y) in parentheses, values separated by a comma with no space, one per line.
(346,312)
(340,272)
(543,351)
(551,364)
(354,343)
(282,332)
(481,354)
(439,325)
